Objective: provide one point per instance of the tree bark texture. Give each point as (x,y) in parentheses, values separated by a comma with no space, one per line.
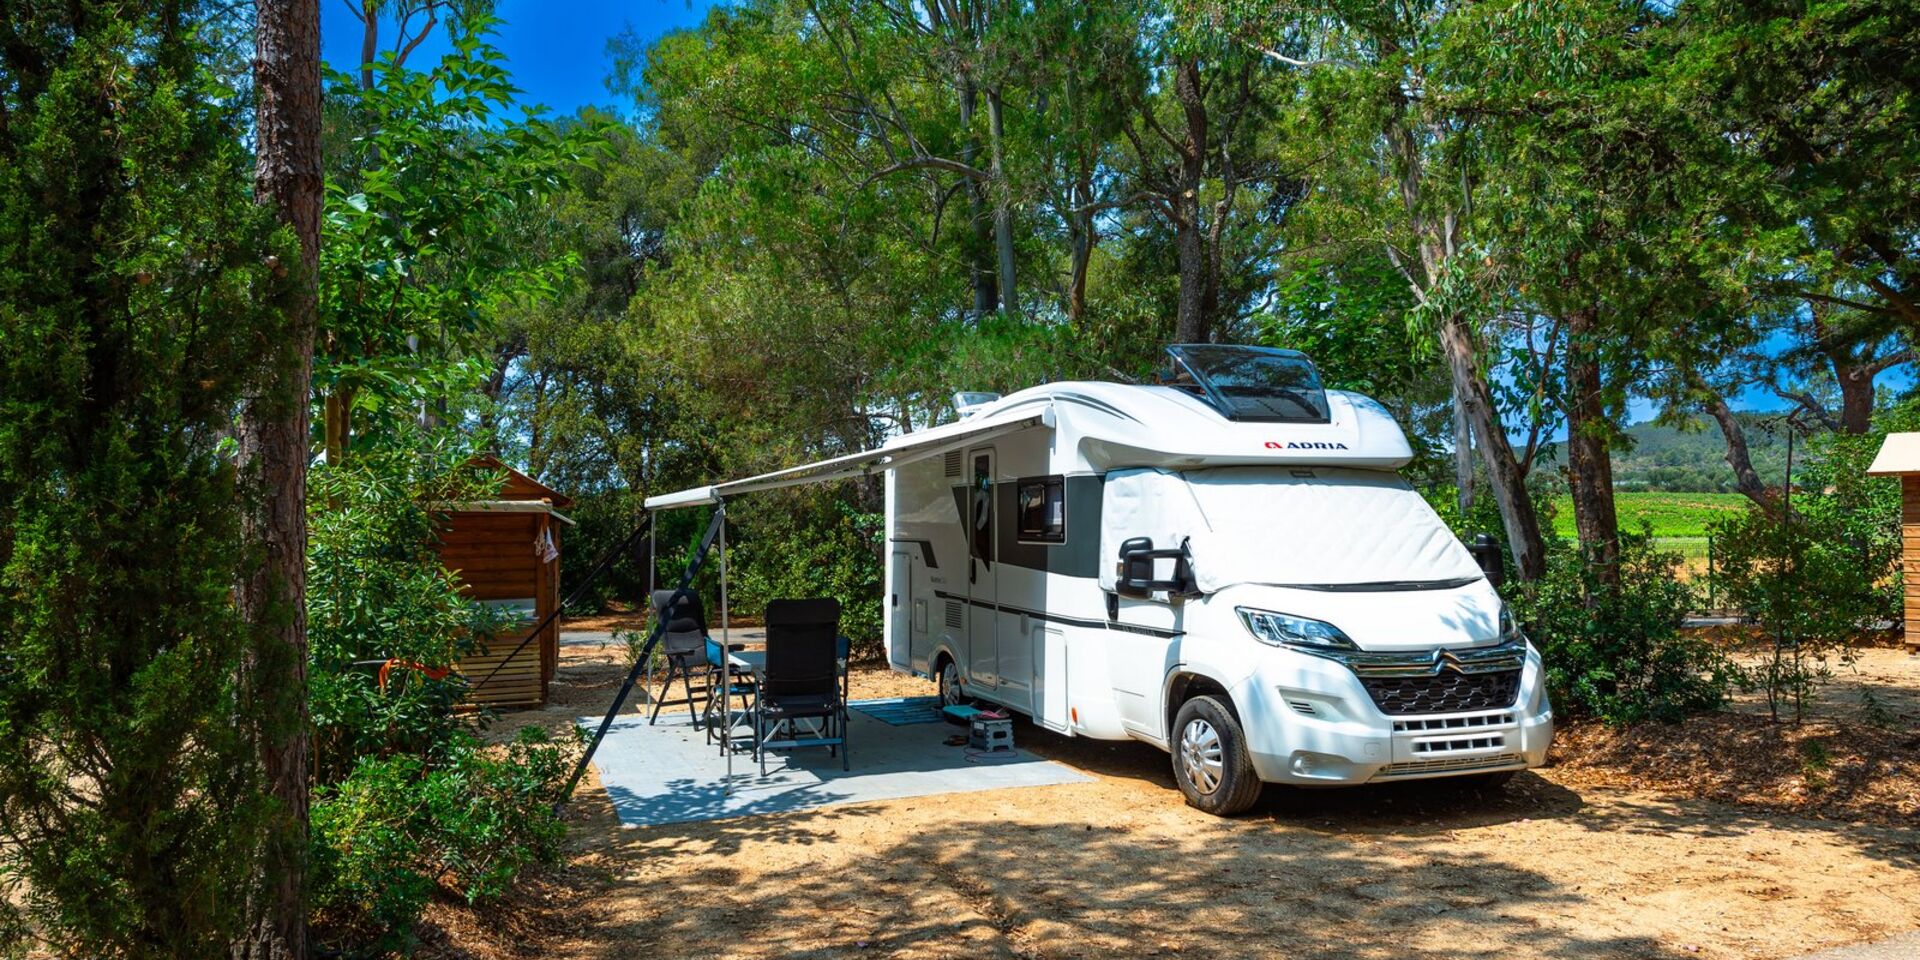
(274,452)
(1746,479)
(1462,456)
(1589,457)
(1002,204)
(1192,324)
(1503,469)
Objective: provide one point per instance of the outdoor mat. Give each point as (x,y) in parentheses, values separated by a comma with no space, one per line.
(900,711)
(669,773)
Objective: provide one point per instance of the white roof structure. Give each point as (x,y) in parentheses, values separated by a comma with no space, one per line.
(1899,453)
(1105,426)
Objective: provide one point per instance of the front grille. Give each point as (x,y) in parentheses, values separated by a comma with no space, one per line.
(1410,768)
(1446,692)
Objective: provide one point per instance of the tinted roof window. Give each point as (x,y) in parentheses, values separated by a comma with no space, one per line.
(1254,383)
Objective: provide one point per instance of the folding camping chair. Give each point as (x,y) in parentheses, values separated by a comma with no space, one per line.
(802,680)
(684,645)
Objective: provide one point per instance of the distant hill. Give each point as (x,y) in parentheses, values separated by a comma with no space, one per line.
(1691,461)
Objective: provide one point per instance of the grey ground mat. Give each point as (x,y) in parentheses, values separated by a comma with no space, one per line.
(669,773)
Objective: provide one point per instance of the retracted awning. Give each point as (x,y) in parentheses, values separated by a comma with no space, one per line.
(897,452)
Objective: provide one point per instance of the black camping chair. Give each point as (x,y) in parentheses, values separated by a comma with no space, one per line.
(684,645)
(802,679)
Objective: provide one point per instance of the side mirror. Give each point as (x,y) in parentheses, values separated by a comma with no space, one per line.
(1486,553)
(1135,579)
(1136,569)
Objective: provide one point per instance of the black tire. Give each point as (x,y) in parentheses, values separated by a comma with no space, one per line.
(1208,745)
(952,690)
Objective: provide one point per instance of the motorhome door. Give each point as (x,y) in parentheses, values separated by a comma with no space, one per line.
(982,575)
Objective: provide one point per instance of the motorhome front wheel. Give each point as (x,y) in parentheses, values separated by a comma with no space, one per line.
(1210,760)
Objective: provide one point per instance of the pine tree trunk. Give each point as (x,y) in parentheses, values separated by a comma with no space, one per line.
(1746,478)
(274,452)
(1002,208)
(1589,460)
(1193,323)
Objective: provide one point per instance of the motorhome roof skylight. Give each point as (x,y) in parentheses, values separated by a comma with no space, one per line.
(1253,383)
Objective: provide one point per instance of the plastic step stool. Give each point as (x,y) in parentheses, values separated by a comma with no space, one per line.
(990,735)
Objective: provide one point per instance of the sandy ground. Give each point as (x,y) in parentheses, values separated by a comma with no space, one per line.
(1564,863)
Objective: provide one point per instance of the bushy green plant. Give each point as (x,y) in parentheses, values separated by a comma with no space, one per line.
(1801,576)
(815,544)
(1616,652)
(399,829)
(135,296)
(378,593)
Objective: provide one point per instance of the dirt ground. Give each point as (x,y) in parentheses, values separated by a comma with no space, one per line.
(1584,859)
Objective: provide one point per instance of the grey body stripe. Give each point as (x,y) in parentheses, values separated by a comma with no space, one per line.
(1069,621)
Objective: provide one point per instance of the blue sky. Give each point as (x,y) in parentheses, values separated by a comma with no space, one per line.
(556,51)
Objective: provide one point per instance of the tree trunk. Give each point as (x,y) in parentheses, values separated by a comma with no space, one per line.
(1002,208)
(1503,470)
(1745,478)
(1589,459)
(1856,398)
(1462,456)
(986,296)
(273,451)
(1193,322)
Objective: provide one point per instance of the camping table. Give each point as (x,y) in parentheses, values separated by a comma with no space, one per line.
(753,662)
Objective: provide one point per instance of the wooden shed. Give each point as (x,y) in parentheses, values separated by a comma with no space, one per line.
(507,552)
(1900,457)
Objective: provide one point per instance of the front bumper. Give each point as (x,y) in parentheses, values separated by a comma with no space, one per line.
(1310,721)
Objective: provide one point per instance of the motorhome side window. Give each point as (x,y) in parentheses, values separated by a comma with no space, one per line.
(1042,503)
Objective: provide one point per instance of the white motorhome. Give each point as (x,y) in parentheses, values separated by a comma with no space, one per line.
(1226,566)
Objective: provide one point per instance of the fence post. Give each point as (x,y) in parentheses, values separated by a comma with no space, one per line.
(1711,607)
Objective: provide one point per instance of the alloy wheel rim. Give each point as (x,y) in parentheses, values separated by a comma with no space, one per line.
(1200,755)
(950,685)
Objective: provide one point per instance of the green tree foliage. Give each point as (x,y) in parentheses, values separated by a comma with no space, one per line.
(398,829)
(429,179)
(1616,653)
(432,260)
(385,620)
(133,272)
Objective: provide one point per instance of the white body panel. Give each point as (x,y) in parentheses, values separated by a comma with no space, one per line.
(1030,624)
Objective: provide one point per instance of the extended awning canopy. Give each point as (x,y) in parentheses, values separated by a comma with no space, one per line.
(897,452)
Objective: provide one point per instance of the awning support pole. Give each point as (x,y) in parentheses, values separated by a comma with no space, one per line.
(726,651)
(646,652)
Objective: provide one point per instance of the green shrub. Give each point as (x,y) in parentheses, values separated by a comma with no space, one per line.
(399,829)
(812,542)
(1616,652)
(1810,584)
(136,306)
(377,591)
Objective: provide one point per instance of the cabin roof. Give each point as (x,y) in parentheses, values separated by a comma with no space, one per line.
(519,486)
(1899,454)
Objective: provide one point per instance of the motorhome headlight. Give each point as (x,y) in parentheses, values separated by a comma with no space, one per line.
(1301,633)
(1510,631)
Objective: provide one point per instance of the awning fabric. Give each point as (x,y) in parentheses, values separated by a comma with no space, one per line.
(897,452)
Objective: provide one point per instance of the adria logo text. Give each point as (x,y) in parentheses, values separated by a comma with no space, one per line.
(1304,445)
